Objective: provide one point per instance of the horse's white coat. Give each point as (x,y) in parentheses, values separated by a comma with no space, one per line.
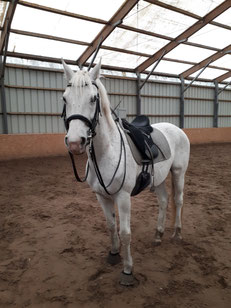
(107,148)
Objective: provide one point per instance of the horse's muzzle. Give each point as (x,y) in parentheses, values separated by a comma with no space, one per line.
(76,147)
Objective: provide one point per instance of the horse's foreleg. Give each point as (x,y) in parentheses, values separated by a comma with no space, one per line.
(109,212)
(162,196)
(178,186)
(124,207)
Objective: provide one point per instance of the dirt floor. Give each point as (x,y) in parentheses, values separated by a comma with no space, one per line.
(54,240)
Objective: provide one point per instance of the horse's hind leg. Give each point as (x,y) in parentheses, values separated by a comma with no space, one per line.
(109,212)
(178,187)
(162,196)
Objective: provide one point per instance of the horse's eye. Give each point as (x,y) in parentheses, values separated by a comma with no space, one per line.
(93,99)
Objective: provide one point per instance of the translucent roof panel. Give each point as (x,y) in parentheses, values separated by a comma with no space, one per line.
(134,41)
(225,62)
(198,7)
(224,18)
(157,19)
(170,67)
(43,47)
(102,9)
(211,35)
(210,73)
(119,59)
(228,80)
(189,53)
(29,19)
(3,9)
(144,16)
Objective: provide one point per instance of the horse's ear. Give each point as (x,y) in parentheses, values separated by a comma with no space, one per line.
(67,71)
(95,72)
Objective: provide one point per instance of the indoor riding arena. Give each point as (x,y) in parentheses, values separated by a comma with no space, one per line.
(165,59)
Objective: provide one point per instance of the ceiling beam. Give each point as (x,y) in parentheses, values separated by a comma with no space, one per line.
(210,59)
(61,12)
(7,24)
(58,60)
(105,67)
(187,13)
(77,42)
(185,35)
(104,22)
(173,8)
(105,47)
(223,77)
(101,21)
(103,34)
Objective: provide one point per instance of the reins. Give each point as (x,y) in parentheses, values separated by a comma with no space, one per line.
(96,167)
(91,134)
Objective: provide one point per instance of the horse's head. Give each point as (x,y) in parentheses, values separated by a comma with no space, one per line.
(82,107)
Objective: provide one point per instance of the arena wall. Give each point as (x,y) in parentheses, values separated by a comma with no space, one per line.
(42,145)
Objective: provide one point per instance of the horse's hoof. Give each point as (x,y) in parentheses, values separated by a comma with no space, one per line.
(157,242)
(158,238)
(177,237)
(113,259)
(127,280)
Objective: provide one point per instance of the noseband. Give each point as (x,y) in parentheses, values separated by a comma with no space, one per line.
(90,123)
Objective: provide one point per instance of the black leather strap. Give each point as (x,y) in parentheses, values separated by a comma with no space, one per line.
(77,117)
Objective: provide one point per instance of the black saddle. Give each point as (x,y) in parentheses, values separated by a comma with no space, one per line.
(139,130)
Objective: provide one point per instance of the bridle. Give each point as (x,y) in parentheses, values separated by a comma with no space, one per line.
(90,123)
(91,134)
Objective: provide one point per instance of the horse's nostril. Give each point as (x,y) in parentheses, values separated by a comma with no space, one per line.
(66,140)
(83,140)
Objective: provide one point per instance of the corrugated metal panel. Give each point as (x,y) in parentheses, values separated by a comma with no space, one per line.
(34,100)
(224,108)
(159,100)
(199,102)
(198,122)
(121,86)
(200,92)
(173,120)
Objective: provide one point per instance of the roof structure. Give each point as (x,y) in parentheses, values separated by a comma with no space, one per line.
(183,37)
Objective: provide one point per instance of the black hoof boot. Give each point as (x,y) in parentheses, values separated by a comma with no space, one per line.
(158,238)
(113,258)
(128,279)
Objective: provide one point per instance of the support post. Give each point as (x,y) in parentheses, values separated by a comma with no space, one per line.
(215,105)
(182,90)
(3,101)
(138,95)
(2,81)
(3,50)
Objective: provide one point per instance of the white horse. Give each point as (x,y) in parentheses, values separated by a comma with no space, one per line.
(84,95)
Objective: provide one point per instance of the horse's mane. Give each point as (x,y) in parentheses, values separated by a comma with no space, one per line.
(105,103)
(81,79)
